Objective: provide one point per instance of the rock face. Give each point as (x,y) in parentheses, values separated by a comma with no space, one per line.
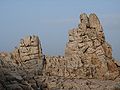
(29,54)
(87,64)
(29,49)
(55,66)
(13,77)
(87,45)
(87,54)
(60,83)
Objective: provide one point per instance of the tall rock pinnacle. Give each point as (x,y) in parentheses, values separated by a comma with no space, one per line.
(88,46)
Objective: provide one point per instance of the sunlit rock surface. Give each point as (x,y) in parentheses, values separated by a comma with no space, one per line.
(87,64)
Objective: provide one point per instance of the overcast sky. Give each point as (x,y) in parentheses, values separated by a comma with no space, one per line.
(51,20)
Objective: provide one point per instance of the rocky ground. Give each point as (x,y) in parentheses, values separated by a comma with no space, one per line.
(87,64)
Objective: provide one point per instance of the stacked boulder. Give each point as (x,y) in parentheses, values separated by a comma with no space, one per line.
(88,48)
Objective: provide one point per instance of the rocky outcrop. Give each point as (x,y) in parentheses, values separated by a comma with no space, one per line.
(61,83)
(87,64)
(55,66)
(87,45)
(29,49)
(87,54)
(13,77)
(29,55)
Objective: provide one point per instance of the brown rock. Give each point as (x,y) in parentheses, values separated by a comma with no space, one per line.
(94,21)
(30,48)
(84,21)
(87,64)
(95,54)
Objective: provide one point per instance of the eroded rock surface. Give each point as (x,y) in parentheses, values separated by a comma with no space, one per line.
(88,46)
(87,64)
(29,54)
(87,54)
(29,49)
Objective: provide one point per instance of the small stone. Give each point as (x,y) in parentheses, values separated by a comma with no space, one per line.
(80,45)
(24,49)
(90,50)
(96,43)
(84,49)
(100,51)
(71,38)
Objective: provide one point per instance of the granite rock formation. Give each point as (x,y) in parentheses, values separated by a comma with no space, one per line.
(29,55)
(88,48)
(13,77)
(87,64)
(29,49)
(87,54)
